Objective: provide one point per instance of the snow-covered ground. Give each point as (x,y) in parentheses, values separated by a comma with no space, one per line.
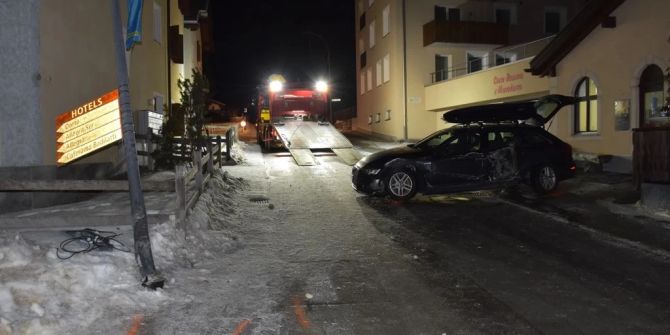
(100,291)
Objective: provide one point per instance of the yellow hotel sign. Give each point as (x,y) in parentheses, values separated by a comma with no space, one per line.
(87,128)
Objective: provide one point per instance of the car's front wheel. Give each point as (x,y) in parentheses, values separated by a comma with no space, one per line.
(544,179)
(400,184)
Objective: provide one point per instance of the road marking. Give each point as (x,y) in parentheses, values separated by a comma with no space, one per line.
(300,313)
(241,327)
(137,323)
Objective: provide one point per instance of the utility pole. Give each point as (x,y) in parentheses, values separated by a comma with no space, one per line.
(150,276)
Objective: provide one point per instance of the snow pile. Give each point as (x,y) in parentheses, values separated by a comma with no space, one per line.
(237,152)
(41,294)
(100,291)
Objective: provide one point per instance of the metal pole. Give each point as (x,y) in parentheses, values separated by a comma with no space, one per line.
(150,276)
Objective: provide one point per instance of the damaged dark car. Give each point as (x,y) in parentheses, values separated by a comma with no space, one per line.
(492,147)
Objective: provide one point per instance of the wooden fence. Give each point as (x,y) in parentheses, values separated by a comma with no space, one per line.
(198,173)
(651,155)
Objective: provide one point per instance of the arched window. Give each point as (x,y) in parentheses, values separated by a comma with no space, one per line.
(652,98)
(586,107)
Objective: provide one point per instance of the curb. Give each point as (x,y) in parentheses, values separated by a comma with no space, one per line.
(606,237)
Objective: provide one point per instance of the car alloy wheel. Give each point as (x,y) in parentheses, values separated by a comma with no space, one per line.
(401,185)
(545,180)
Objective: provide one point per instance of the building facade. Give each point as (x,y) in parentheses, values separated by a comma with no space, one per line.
(612,55)
(61,54)
(613,58)
(408,50)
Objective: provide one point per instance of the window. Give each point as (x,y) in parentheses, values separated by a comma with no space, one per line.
(477,61)
(505,57)
(388,115)
(157,23)
(361,46)
(379,72)
(651,94)
(442,68)
(505,13)
(370,2)
(496,140)
(554,19)
(552,23)
(364,60)
(385,20)
(586,108)
(450,14)
(362,82)
(369,79)
(503,16)
(372,34)
(387,68)
(454,14)
(440,13)
(361,22)
(378,117)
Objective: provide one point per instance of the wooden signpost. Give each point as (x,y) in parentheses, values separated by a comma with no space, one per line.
(88,128)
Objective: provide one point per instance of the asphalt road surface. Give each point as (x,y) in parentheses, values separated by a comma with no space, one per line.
(318,258)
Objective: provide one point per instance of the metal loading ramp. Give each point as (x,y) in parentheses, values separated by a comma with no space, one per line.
(300,137)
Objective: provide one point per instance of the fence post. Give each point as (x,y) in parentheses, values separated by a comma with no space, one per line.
(197,160)
(180,189)
(210,161)
(229,142)
(150,149)
(218,145)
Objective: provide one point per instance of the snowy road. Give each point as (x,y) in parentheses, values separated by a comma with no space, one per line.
(313,257)
(274,248)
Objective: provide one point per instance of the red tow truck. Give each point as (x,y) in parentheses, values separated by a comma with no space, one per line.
(295,117)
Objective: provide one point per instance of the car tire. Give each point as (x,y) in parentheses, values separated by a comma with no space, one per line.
(400,184)
(544,179)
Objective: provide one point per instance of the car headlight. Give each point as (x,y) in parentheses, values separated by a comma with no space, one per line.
(372,172)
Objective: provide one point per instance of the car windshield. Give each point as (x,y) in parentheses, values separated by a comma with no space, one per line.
(436,139)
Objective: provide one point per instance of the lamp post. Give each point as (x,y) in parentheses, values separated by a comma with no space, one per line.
(330,83)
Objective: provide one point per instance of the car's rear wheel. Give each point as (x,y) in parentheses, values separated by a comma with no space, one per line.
(401,184)
(544,179)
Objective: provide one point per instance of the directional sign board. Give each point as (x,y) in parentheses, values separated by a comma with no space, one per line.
(87,128)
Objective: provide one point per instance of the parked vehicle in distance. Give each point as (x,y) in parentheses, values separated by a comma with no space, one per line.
(494,146)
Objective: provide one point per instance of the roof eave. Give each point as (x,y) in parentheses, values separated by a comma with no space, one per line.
(593,13)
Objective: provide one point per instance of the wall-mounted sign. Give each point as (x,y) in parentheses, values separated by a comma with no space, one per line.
(88,128)
(509,83)
(149,121)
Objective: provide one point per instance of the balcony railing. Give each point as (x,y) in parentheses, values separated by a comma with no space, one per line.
(470,32)
(496,57)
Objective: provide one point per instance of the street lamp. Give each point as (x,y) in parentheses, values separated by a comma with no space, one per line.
(330,79)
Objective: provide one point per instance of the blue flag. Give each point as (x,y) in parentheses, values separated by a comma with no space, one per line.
(134,31)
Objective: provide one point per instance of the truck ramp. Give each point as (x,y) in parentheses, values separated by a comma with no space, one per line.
(300,137)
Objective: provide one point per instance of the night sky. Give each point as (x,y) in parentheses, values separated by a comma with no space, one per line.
(254,39)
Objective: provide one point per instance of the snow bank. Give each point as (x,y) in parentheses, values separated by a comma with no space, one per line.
(237,153)
(99,291)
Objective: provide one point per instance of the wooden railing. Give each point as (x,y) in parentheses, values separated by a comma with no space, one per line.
(199,172)
(651,155)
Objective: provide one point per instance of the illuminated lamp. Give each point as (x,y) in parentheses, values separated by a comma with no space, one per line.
(321,86)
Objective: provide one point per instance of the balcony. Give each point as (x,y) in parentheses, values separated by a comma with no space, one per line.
(495,57)
(466,32)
